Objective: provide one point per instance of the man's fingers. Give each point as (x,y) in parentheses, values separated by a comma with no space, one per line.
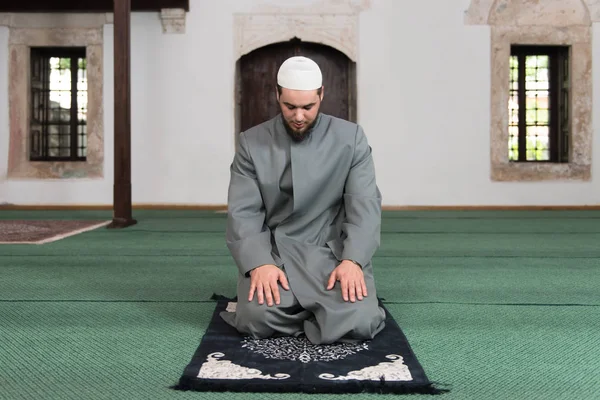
(251,292)
(344,282)
(260,293)
(268,295)
(331,282)
(359,291)
(275,291)
(352,291)
(364,287)
(284,281)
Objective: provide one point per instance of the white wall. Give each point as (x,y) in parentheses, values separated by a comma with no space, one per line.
(423,90)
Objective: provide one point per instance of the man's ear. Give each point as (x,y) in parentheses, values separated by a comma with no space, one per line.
(322,92)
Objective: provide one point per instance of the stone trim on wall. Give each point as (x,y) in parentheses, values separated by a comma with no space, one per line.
(479,11)
(173,20)
(552,22)
(330,22)
(53,20)
(20,42)
(256,31)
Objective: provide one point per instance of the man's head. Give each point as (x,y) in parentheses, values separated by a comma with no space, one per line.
(299,93)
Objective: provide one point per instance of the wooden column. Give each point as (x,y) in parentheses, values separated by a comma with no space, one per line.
(122,215)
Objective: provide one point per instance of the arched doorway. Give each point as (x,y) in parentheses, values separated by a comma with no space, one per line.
(257,74)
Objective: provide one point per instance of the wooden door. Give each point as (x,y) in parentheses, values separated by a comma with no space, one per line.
(258,79)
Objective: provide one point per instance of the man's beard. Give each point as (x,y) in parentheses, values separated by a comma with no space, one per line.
(300,136)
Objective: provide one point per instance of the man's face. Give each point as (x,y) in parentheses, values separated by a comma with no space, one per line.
(299,108)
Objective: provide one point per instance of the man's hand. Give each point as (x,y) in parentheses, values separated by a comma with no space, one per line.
(352,281)
(263,281)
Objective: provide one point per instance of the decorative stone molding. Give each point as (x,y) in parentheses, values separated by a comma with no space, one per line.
(593,9)
(480,11)
(337,31)
(5,19)
(55,37)
(346,7)
(173,20)
(53,20)
(20,41)
(330,22)
(553,13)
(552,22)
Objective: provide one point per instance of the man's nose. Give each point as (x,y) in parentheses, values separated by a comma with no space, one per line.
(299,115)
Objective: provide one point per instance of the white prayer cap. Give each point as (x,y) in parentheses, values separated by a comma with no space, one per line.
(299,73)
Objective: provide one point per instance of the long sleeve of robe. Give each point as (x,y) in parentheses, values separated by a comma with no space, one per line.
(248,237)
(362,201)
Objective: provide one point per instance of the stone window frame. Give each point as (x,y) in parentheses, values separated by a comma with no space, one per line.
(577,35)
(21,40)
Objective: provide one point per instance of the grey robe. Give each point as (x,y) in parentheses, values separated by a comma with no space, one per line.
(305,207)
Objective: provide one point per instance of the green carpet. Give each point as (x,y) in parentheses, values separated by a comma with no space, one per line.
(499,305)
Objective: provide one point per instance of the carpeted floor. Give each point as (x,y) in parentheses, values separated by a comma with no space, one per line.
(500,305)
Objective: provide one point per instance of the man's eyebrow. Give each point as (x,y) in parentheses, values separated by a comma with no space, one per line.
(295,106)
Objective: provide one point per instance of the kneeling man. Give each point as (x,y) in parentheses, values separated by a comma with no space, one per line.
(304,219)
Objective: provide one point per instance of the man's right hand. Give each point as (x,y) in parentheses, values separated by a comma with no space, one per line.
(263,281)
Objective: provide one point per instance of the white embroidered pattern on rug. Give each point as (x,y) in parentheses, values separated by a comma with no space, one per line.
(214,368)
(301,349)
(389,371)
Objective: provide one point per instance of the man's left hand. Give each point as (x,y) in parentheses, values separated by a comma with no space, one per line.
(352,280)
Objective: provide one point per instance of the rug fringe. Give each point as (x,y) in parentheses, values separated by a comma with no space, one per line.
(355,387)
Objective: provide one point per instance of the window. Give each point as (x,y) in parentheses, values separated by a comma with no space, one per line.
(539,104)
(58,126)
(559,29)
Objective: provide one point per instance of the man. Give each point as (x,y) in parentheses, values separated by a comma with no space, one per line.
(304,217)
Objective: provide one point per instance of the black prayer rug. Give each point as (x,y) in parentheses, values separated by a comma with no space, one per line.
(228,361)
